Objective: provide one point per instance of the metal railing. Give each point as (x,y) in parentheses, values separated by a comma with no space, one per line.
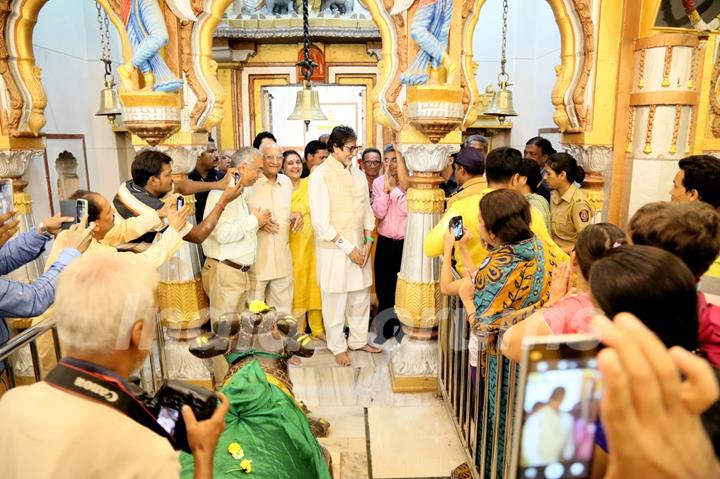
(29,337)
(480,402)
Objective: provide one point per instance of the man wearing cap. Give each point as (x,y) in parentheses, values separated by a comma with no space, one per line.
(469,171)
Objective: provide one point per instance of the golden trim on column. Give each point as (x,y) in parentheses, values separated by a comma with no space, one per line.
(676,130)
(426,200)
(648,134)
(666,66)
(417,303)
(641,81)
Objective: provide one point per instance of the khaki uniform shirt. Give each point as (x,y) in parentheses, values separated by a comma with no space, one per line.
(571,213)
(473,186)
(273,259)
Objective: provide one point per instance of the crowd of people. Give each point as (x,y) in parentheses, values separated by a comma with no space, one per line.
(312,233)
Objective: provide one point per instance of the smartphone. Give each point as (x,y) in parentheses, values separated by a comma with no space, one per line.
(75,209)
(456,226)
(237,178)
(180,203)
(167,418)
(557,408)
(6,196)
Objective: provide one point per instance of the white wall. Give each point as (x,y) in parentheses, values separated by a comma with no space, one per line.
(533,50)
(66,42)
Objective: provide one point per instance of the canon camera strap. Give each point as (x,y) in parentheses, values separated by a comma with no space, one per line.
(105,390)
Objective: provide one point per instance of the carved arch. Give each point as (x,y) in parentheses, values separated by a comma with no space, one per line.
(25,113)
(577,21)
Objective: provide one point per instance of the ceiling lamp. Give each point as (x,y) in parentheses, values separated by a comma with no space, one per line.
(307,104)
(501,105)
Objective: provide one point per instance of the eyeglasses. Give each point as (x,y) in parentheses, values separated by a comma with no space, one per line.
(351,149)
(371,162)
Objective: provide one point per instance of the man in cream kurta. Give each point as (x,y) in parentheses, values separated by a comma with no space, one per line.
(271,278)
(342,220)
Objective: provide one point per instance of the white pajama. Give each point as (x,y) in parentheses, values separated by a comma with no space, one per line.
(338,308)
(274,292)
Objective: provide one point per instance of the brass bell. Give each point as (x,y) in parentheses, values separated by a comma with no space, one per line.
(501,105)
(109,101)
(307,105)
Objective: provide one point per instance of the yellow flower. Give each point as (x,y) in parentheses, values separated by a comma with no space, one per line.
(236,451)
(257,307)
(246,466)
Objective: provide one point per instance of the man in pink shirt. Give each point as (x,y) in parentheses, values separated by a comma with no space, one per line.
(390,208)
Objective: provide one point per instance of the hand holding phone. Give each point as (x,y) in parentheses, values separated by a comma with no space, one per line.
(557,408)
(74,209)
(456,226)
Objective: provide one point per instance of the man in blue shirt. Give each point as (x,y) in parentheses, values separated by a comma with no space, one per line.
(28,300)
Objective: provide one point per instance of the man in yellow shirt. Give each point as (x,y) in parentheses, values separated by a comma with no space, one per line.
(502,168)
(699,180)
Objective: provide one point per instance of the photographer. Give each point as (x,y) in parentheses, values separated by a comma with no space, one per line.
(106,312)
(28,300)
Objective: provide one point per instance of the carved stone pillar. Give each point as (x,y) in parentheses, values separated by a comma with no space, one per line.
(663,106)
(417,301)
(427,104)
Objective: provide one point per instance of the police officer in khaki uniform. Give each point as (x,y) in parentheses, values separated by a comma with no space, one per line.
(569,207)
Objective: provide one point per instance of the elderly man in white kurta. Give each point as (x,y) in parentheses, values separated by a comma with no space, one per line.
(271,277)
(343,222)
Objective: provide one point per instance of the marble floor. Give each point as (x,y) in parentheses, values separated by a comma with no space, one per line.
(374,432)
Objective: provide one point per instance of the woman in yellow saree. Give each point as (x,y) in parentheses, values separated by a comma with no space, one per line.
(307,304)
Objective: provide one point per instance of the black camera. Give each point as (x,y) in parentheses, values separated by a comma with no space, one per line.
(167,406)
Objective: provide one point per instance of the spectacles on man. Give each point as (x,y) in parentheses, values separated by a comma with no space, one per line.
(371,162)
(350,149)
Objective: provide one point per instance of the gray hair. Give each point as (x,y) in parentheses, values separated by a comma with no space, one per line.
(244,156)
(99,298)
(472,138)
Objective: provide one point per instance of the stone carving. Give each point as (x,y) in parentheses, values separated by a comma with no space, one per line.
(13,163)
(280,7)
(577,29)
(343,7)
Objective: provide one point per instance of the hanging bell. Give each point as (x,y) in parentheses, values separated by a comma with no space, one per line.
(307,105)
(501,105)
(109,101)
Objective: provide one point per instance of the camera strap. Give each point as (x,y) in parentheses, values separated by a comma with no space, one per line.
(105,390)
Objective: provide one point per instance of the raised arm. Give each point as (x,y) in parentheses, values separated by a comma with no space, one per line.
(28,300)
(199,233)
(403,173)
(190,187)
(21,250)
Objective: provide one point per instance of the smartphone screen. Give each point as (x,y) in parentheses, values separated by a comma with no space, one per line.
(81,208)
(180,203)
(6,196)
(167,418)
(558,407)
(456,227)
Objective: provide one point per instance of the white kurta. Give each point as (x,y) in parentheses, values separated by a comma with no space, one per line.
(335,272)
